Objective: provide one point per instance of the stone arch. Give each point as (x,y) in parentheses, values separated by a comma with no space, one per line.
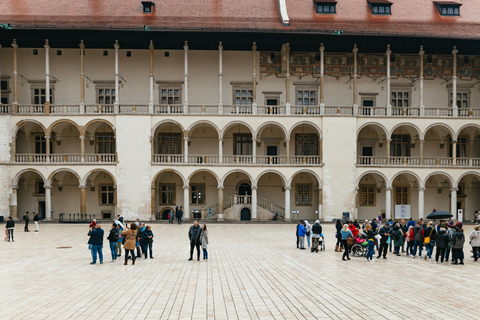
(168,170)
(53,125)
(317,128)
(21,123)
(19,174)
(407,172)
(372,172)
(85,127)
(237,171)
(438,124)
(476,174)
(158,124)
(477,126)
(83,182)
(231,124)
(374,124)
(50,177)
(271,171)
(203,170)
(439,173)
(264,125)
(313,173)
(406,124)
(193,125)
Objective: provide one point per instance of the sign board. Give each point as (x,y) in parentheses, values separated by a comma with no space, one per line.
(346,216)
(402,211)
(460,215)
(209,214)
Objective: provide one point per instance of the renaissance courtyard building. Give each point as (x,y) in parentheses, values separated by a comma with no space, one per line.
(239,109)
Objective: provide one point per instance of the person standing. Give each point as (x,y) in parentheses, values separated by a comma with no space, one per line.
(171,216)
(36,218)
(205,242)
(397,239)
(96,242)
(371,241)
(409,241)
(441,242)
(316,233)
(130,242)
(179,215)
(338,227)
(457,248)
(140,249)
(195,236)
(120,240)
(147,236)
(296,233)
(404,229)
(430,235)
(26,218)
(475,242)
(308,232)
(345,235)
(385,233)
(450,233)
(301,234)
(113,240)
(418,239)
(10,225)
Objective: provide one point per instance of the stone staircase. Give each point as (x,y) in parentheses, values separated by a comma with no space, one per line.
(233,204)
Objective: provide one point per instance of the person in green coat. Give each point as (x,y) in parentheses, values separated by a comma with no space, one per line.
(397,239)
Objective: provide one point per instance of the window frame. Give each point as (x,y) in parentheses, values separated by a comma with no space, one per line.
(250,141)
(321,4)
(403,192)
(443,9)
(41,85)
(107,192)
(403,90)
(367,192)
(159,142)
(38,191)
(309,192)
(170,85)
(5,93)
(160,193)
(103,136)
(204,193)
(297,136)
(393,145)
(105,85)
(376,6)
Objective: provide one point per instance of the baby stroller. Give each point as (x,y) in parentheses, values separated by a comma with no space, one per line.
(360,247)
(321,242)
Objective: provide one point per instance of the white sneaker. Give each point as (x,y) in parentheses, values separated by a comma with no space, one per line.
(436,261)
(412,256)
(419,257)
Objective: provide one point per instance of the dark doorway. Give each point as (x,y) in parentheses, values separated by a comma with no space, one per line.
(165,214)
(244,189)
(272,103)
(245,214)
(41,210)
(367,107)
(367,154)
(272,154)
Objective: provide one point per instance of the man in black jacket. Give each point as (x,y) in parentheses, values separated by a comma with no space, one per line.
(385,233)
(26,217)
(316,232)
(96,241)
(195,234)
(179,215)
(10,227)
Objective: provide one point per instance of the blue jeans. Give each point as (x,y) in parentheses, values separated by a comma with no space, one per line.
(205,254)
(113,250)
(371,248)
(97,248)
(308,240)
(148,246)
(415,245)
(430,247)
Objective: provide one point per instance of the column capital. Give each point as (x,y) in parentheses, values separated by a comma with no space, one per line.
(288,188)
(388,188)
(116,45)
(47,45)
(454,51)
(220,138)
(186,187)
(151,45)
(15,186)
(254,46)
(48,137)
(220,187)
(388,50)
(81,45)
(186,45)
(254,187)
(220,46)
(355,49)
(82,186)
(82,137)
(421,189)
(453,189)
(14,44)
(48,186)
(322,47)
(421,52)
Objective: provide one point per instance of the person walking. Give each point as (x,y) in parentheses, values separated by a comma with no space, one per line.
(475,242)
(371,241)
(204,240)
(409,241)
(385,233)
(346,235)
(397,239)
(316,234)
(403,229)
(441,243)
(36,218)
(457,248)
(10,225)
(338,227)
(430,235)
(113,240)
(418,239)
(308,232)
(179,215)
(96,243)
(195,236)
(298,237)
(26,218)
(147,236)
(301,235)
(171,216)
(130,242)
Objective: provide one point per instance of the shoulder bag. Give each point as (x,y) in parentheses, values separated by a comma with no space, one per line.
(427,239)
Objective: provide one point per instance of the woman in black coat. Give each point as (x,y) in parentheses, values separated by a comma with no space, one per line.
(338,226)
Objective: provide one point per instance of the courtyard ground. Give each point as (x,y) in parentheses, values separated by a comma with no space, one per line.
(254,272)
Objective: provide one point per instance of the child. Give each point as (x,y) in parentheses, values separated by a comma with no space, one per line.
(204,239)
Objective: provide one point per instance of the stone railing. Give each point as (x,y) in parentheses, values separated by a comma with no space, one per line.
(202,159)
(418,162)
(71,158)
(269,206)
(199,159)
(168,158)
(238,160)
(271,160)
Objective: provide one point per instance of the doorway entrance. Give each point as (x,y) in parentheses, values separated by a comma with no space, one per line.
(272,153)
(165,214)
(244,190)
(367,153)
(41,210)
(245,214)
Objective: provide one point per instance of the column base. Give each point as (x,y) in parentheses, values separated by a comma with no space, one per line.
(220,217)
(48,219)
(287,219)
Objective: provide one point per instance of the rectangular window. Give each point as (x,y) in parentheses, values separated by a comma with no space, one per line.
(242,144)
(39,186)
(448,9)
(380,7)
(401,195)
(306,98)
(463,99)
(39,95)
(400,146)
(197,193)
(400,99)
(4,90)
(367,195)
(107,194)
(169,143)
(242,97)
(303,196)
(461,148)
(326,7)
(41,143)
(306,144)
(106,95)
(167,193)
(105,142)
(170,96)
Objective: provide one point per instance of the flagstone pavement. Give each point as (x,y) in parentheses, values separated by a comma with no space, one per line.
(255,271)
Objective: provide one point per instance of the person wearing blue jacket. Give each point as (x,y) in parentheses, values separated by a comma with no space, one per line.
(410,223)
(96,242)
(147,239)
(346,233)
(301,235)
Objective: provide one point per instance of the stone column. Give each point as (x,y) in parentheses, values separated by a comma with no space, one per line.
(186,202)
(220,78)
(220,203)
(15,75)
(82,77)
(454,153)
(421,152)
(48,201)
(422,107)
(287,144)
(13,203)
(320,204)
(150,101)
(421,203)
(47,77)
(388,203)
(254,151)
(453,202)
(389,102)
(13,149)
(152,201)
(388,151)
(185,146)
(83,201)
(454,83)
(82,149)
(254,203)
(47,147)
(355,103)
(287,81)
(116,105)
(322,78)
(254,78)
(220,150)
(287,203)
(185,83)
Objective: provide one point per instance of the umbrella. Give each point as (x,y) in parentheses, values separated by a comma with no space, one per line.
(439,215)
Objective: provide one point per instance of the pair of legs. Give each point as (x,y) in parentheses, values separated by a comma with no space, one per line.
(10,234)
(440,252)
(419,245)
(430,247)
(315,244)
(371,249)
(170,221)
(179,220)
(476,253)
(346,251)
(397,251)
(457,255)
(308,240)
(298,241)
(302,242)
(384,249)
(119,249)
(148,247)
(194,245)
(409,249)
(205,254)
(36,226)
(26,227)
(130,253)
(139,253)
(113,250)
(94,250)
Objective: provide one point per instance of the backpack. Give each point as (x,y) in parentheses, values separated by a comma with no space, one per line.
(396,237)
(458,235)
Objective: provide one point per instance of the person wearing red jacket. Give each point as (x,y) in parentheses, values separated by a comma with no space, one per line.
(352,228)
